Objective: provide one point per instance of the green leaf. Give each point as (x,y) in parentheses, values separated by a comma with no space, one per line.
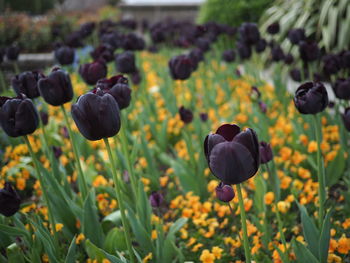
(99,254)
(115,241)
(176,226)
(70,258)
(113,219)
(302,253)
(259,194)
(14,231)
(14,254)
(311,233)
(325,237)
(335,168)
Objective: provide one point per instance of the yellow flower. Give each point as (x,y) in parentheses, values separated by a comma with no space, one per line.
(217,252)
(59,227)
(343,245)
(283,206)
(312,147)
(80,238)
(207,257)
(269,197)
(154,234)
(147,258)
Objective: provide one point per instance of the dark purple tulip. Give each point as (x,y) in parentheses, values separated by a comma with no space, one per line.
(128,23)
(158,35)
(266,154)
(56,88)
(263,107)
(224,192)
(92,72)
(309,51)
(12,52)
(125,62)
(86,29)
(346,118)
(295,74)
(233,155)
(244,51)
(118,87)
(57,151)
(2,54)
(274,28)
(9,200)
(296,35)
(103,52)
(136,77)
(256,92)
(44,117)
(331,64)
(203,116)
(186,115)
(331,104)
(345,59)
(132,41)
(156,199)
(65,55)
(288,59)
(153,49)
(18,116)
(229,55)
(260,46)
(277,53)
(311,98)
(196,55)
(96,115)
(74,40)
(203,44)
(341,89)
(181,67)
(249,33)
(27,83)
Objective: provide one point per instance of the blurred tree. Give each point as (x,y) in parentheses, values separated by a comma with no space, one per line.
(32,7)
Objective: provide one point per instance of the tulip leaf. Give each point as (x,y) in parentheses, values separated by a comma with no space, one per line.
(311,233)
(144,208)
(14,254)
(335,168)
(113,219)
(70,258)
(99,254)
(302,253)
(91,222)
(325,237)
(115,241)
(14,231)
(259,193)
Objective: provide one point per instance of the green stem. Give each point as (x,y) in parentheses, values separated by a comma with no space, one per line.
(16,68)
(82,182)
(120,201)
(2,81)
(43,188)
(320,174)
(244,225)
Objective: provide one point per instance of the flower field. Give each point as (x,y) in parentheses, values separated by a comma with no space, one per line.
(206,157)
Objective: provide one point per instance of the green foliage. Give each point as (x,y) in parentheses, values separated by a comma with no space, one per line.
(326,20)
(232,12)
(35,6)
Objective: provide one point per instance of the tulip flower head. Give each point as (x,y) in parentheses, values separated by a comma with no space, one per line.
(186,115)
(27,83)
(233,155)
(224,192)
(9,200)
(311,98)
(266,154)
(156,199)
(92,72)
(64,55)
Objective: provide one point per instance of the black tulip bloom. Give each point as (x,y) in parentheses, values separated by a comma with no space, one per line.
(296,35)
(196,55)
(132,41)
(65,55)
(224,192)
(233,155)
(346,118)
(263,107)
(288,59)
(341,89)
(274,28)
(18,116)
(27,83)
(249,33)
(136,77)
(331,64)
(57,151)
(244,51)
(74,40)
(203,116)
(125,62)
(266,154)
(56,88)
(295,74)
(118,87)
(345,59)
(229,55)
(181,67)
(44,117)
(9,200)
(186,115)
(12,52)
(92,72)
(156,199)
(309,51)
(104,52)
(277,53)
(260,46)
(96,115)
(311,98)
(87,28)
(203,44)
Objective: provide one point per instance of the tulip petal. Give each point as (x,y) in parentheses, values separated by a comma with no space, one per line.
(228,131)
(210,141)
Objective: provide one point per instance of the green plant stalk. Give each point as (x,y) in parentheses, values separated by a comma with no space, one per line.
(320,174)
(43,187)
(2,81)
(120,201)
(244,225)
(16,67)
(82,182)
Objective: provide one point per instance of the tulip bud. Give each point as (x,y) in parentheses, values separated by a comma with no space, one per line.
(203,116)
(125,62)
(260,46)
(346,118)
(274,28)
(56,88)
(18,116)
(12,52)
(311,98)
(103,52)
(181,67)
(341,88)
(65,55)
(266,154)
(44,117)
(228,55)
(186,115)
(224,192)
(156,199)
(9,200)
(203,44)
(263,107)
(249,33)
(288,59)
(331,64)
(92,72)
(136,77)
(96,115)
(309,51)
(295,74)
(296,35)
(277,53)
(244,50)
(27,83)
